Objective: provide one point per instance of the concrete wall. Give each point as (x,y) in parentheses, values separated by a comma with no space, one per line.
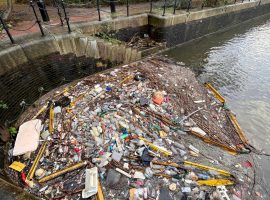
(178,29)
(173,29)
(80,45)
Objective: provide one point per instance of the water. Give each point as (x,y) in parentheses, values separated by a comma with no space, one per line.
(237,63)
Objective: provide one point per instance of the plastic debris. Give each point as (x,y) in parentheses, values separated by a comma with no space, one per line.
(18,166)
(215,182)
(123,172)
(222,192)
(134,133)
(27,137)
(61,172)
(91,183)
(158,97)
(198,130)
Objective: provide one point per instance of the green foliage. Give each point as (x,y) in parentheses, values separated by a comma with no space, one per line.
(12,131)
(110,37)
(106,34)
(2,104)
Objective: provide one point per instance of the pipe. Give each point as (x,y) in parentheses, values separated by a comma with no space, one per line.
(63,171)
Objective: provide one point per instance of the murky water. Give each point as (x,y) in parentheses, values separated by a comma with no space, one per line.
(237,63)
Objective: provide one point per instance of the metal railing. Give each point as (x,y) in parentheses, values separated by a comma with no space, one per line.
(99,10)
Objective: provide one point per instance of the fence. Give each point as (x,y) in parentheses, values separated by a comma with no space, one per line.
(47,19)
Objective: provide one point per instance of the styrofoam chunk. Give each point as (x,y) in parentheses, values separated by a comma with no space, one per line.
(91,183)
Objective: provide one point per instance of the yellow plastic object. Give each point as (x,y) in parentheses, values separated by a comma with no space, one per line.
(215,92)
(51,120)
(215,182)
(100,193)
(218,144)
(63,171)
(126,79)
(204,167)
(156,148)
(40,111)
(18,166)
(36,161)
(238,129)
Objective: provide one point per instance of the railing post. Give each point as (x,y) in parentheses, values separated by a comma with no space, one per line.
(58,11)
(98,9)
(43,12)
(127,8)
(164,8)
(37,19)
(66,17)
(189,5)
(6,29)
(112,5)
(151,5)
(174,6)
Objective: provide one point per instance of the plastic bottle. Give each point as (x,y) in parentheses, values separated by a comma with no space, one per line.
(203,176)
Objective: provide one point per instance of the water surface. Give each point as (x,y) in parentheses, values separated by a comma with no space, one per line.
(237,63)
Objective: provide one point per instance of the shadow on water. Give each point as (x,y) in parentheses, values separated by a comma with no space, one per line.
(31,80)
(237,63)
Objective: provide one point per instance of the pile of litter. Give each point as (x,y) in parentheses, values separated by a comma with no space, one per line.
(144,42)
(128,133)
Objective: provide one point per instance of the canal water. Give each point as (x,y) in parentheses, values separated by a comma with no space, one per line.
(237,63)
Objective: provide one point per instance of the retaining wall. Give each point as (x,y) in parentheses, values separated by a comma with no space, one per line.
(177,29)
(172,29)
(80,45)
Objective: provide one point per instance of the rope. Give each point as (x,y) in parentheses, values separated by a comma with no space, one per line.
(24,29)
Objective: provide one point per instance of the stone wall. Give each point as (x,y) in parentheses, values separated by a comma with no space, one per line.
(177,29)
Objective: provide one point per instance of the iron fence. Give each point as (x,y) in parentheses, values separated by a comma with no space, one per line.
(65,12)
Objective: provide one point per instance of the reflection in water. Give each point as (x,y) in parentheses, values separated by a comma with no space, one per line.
(237,62)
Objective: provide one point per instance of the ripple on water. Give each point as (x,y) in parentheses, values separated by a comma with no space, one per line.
(237,62)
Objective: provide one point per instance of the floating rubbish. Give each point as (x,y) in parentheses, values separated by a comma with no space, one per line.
(204,167)
(61,172)
(198,131)
(36,161)
(215,182)
(158,97)
(91,183)
(18,166)
(215,93)
(123,172)
(121,134)
(222,192)
(28,137)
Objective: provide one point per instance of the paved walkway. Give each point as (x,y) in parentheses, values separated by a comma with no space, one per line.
(23,21)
